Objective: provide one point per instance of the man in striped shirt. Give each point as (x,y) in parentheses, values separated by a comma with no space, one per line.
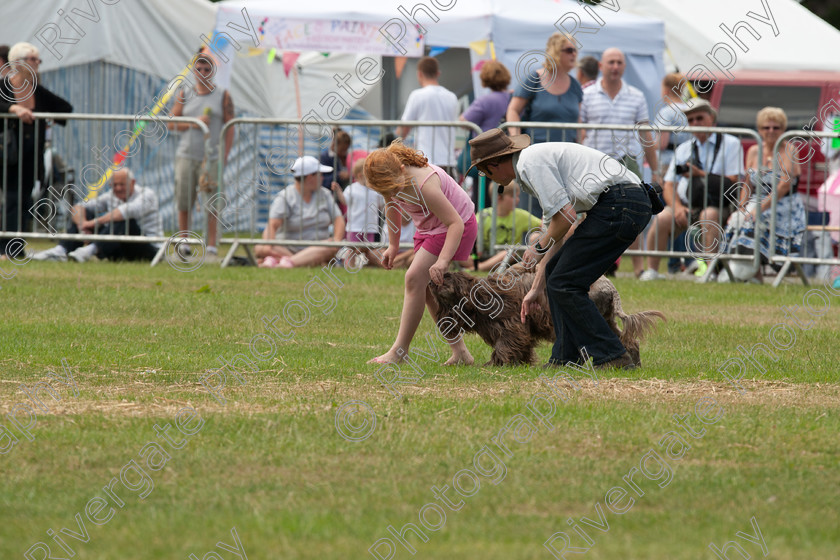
(611,101)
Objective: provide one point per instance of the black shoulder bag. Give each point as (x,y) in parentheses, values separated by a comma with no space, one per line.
(708,190)
(654,192)
(8,144)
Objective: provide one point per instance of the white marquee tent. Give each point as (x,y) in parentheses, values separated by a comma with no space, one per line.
(129,52)
(514,27)
(155,38)
(692,29)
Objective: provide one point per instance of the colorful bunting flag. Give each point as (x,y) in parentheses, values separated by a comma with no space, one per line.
(289,59)
(480,47)
(399,65)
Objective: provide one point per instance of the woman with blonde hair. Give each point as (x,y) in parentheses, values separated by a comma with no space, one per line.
(550,93)
(755,199)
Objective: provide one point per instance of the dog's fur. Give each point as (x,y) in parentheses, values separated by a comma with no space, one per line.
(497,319)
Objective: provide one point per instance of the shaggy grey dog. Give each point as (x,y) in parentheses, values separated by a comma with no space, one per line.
(491,308)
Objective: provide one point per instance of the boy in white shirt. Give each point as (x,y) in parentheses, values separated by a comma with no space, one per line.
(363,206)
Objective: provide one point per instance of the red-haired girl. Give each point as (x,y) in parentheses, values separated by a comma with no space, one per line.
(446,230)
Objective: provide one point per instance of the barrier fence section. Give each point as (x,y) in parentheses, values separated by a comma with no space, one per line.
(258,198)
(699,232)
(78,155)
(40,190)
(821,205)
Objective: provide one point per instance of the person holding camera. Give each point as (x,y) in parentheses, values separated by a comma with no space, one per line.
(702,170)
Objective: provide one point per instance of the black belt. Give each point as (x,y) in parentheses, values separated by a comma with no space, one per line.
(623,186)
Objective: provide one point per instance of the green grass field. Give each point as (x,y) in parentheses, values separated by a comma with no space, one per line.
(266,457)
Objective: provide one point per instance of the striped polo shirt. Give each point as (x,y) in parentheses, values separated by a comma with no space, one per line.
(628,107)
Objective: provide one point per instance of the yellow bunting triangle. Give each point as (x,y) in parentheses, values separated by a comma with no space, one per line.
(480,47)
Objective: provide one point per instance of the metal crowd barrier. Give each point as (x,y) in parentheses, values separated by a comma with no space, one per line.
(86,147)
(247,190)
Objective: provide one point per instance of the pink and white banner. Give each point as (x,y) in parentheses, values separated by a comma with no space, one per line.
(335,36)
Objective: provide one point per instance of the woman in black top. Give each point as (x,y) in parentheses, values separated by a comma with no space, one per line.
(22,95)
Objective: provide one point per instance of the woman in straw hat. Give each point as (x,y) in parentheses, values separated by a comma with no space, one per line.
(570,178)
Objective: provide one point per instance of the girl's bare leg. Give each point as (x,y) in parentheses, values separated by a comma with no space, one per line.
(314,256)
(416,281)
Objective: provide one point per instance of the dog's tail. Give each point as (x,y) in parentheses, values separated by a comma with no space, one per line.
(638,325)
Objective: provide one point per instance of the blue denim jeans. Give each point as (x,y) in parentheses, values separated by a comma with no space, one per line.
(615,221)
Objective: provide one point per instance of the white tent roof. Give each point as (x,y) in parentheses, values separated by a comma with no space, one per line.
(516,24)
(692,29)
(153,36)
(466,21)
(515,27)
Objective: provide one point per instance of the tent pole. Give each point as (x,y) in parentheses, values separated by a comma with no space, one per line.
(299,109)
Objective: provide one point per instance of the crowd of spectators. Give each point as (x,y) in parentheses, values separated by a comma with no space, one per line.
(329,199)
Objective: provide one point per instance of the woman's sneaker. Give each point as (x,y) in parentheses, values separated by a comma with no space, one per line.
(57,253)
(83,254)
(651,274)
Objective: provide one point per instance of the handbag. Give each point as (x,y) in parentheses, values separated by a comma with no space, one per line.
(525,115)
(654,192)
(9,147)
(708,190)
(205,182)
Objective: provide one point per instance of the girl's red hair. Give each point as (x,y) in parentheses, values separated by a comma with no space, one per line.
(382,166)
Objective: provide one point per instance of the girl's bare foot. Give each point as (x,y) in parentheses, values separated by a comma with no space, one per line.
(465,359)
(390,357)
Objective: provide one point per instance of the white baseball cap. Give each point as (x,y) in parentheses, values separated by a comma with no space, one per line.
(307,165)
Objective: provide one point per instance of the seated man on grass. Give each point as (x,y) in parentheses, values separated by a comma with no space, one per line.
(512,224)
(127,209)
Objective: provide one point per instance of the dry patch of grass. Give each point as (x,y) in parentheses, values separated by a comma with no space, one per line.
(274,394)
